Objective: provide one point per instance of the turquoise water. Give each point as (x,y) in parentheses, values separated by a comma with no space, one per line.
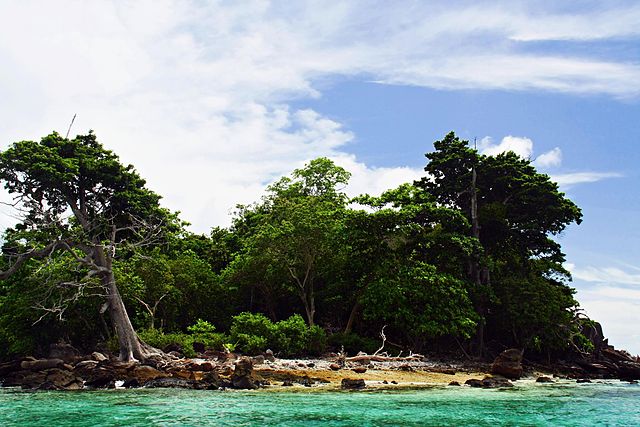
(556,404)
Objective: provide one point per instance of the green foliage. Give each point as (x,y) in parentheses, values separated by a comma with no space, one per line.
(253,333)
(201,332)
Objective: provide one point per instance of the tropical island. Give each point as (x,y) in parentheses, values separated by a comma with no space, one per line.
(452,276)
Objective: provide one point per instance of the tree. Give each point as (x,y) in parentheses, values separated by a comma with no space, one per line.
(295,233)
(515,212)
(76,197)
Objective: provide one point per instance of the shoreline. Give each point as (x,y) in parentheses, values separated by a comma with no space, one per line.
(231,371)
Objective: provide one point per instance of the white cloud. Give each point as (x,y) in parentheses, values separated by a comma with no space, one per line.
(605,275)
(611,296)
(195,94)
(549,159)
(567,180)
(618,314)
(523,147)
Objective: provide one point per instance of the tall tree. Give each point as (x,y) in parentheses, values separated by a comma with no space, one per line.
(295,233)
(516,212)
(77,197)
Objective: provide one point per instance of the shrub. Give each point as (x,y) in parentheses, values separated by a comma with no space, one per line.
(316,340)
(253,333)
(201,332)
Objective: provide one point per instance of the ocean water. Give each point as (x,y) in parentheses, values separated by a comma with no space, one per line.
(565,404)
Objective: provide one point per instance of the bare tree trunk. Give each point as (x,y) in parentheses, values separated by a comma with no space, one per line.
(309,306)
(352,317)
(131,347)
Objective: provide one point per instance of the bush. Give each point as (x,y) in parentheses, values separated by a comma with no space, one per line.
(253,333)
(200,332)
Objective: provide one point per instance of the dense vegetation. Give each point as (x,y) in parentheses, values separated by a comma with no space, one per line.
(461,261)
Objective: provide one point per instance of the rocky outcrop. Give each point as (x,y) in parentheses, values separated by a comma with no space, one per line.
(65,352)
(242,375)
(508,364)
(489,382)
(349,384)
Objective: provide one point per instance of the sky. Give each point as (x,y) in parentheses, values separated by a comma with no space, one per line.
(213,100)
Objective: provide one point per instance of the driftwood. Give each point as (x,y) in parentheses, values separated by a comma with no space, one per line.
(377,358)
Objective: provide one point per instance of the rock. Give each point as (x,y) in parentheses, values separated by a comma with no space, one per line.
(101,378)
(9,367)
(310,365)
(25,379)
(63,380)
(359,370)
(268,355)
(334,367)
(385,382)
(99,357)
(42,364)
(583,380)
(207,366)
(633,382)
(489,382)
(63,351)
(241,377)
(185,374)
(258,360)
(131,383)
(51,379)
(616,355)
(146,373)
(394,382)
(170,383)
(349,384)
(454,383)
(508,364)
(544,379)
(629,370)
(287,383)
(306,381)
(405,367)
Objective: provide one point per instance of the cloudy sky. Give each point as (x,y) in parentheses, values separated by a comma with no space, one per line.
(212,100)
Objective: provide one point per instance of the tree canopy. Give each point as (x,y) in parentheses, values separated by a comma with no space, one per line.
(466,257)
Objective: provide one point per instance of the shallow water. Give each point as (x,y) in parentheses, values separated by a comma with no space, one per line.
(569,404)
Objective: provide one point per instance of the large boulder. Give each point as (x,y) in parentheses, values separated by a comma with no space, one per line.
(65,352)
(241,377)
(50,379)
(489,382)
(508,364)
(41,364)
(144,374)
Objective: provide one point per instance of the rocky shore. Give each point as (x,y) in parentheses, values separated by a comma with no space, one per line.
(65,369)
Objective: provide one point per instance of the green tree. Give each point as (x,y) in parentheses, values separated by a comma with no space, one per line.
(514,212)
(110,209)
(295,233)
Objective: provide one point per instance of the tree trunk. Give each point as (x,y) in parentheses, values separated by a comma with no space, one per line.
(131,347)
(352,317)
(309,307)
(475,268)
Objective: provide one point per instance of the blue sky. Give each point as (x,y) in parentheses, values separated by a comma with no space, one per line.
(211,101)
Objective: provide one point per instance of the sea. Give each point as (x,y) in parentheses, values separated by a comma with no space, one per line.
(602,403)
